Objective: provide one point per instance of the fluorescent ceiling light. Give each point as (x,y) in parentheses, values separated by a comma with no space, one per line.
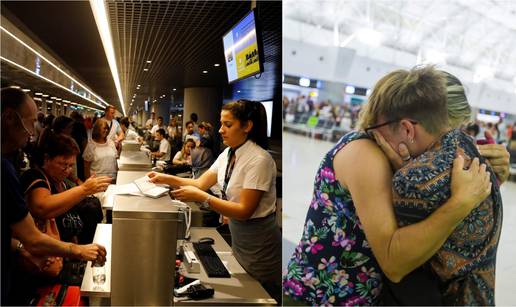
(304,82)
(370,37)
(350,89)
(45,95)
(204,71)
(52,64)
(99,11)
(216,65)
(37,99)
(26,90)
(14,86)
(149,61)
(145,69)
(37,94)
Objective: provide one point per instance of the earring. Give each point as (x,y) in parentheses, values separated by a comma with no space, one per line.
(411,141)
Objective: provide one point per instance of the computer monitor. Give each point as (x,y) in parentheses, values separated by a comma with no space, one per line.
(243,51)
(268,110)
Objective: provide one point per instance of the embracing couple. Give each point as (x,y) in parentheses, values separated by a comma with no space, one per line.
(405,210)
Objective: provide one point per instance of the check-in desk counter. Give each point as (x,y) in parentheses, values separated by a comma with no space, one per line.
(124,177)
(144,239)
(239,289)
(134,161)
(132,145)
(88,288)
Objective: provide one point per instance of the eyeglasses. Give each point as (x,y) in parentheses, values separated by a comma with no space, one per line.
(65,166)
(23,124)
(369,129)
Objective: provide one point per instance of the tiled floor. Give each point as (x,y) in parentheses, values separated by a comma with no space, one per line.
(301,157)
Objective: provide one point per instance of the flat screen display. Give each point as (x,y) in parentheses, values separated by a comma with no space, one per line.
(241,49)
(268,111)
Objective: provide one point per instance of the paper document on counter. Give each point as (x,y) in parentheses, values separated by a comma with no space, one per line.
(150,189)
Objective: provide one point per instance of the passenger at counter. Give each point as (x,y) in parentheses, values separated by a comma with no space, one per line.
(130,134)
(100,153)
(115,132)
(151,121)
(163,154)
(18,229)
(184,157)
(48,195)
(247,173)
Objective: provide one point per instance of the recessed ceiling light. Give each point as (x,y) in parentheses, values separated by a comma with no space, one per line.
(145,69)
(26,90)
(14,86)
(149,61)
(204,71)
(238,91)
(174,89)
(37,94)
(216,65)
(59,99)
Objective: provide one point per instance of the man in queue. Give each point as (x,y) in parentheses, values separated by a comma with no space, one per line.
(18,228)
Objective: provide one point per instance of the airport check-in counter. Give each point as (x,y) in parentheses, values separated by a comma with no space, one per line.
(132,145)
(144,239)
(134,161)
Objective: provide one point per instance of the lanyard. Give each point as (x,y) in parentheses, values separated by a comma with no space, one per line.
(229,169)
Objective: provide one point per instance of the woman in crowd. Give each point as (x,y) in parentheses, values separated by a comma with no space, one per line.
(100,153)
(351,235)
(130,134)
(247,173)
(183,157)
(47,194)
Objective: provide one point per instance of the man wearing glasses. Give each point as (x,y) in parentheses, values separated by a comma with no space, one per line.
(18,229)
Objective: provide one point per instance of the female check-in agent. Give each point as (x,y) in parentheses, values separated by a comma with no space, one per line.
(247,174)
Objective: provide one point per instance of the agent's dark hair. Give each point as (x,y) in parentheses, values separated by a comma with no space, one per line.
(61,123)
(473,128)
(12,98)
(160,117)
(188,123)
(245,110)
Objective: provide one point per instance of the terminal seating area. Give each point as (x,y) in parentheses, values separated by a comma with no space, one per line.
(324,129)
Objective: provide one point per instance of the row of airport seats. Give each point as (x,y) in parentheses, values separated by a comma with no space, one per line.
(321,128)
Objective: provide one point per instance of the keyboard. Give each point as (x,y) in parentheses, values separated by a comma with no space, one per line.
(210,260)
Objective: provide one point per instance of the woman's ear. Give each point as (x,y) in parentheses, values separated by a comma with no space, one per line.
(408,129)
(248,126)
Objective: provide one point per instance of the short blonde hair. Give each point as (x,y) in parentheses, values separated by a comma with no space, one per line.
(96,132)
(418,94)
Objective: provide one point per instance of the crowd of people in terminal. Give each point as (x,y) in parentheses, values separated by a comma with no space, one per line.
(52,213)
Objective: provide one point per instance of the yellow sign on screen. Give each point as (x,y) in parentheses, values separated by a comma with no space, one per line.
(247,60)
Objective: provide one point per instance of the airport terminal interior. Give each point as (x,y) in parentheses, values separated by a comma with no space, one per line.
(172,152)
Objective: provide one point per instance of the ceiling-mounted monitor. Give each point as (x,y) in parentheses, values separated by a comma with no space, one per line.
(243,51)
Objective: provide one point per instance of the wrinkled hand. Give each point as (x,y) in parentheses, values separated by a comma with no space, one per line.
(499,158)
(472,186)
(398,160)
(96,184)
(161,178)
(189,193)
(92,252)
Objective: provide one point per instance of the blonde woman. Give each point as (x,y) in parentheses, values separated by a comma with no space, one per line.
(100,153)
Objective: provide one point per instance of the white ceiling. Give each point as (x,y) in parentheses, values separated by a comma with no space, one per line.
(469,32)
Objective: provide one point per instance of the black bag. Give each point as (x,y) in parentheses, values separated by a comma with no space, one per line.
(90,212)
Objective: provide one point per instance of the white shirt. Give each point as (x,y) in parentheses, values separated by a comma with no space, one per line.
(131,135)
(164,147)
(102,158)
(254,169)
(156,127)
(115,129)
(150,122)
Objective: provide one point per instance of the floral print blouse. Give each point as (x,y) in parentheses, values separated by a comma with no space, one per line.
(333,263)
